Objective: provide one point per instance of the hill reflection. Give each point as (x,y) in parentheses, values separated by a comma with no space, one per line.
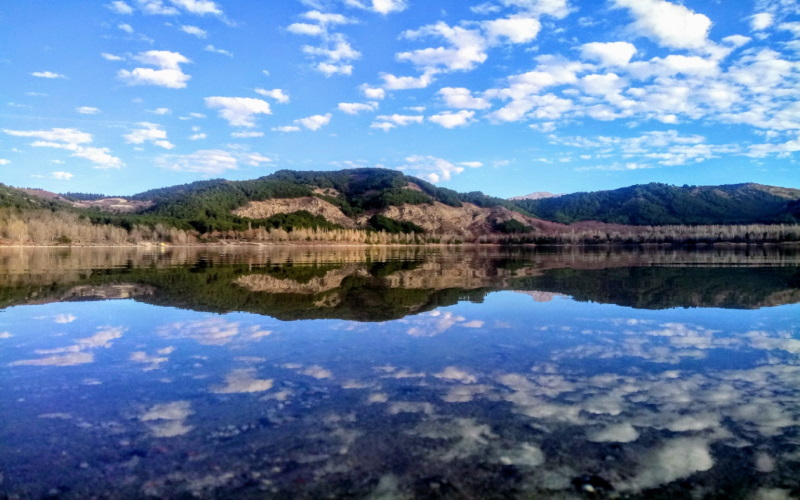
(379,284)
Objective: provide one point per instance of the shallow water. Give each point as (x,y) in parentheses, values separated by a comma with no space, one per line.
(399,373)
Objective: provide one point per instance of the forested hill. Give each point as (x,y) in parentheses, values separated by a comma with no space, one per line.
(353,190)
(662,204)
(385,200)
(209,204)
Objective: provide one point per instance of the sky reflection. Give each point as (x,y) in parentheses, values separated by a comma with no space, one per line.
(522,394)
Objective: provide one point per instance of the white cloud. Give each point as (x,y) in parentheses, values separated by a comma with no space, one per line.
(120,7)
(194,31)
(47,74)
(388,122)
(674,64)
(793,27)
(354,108)
(168,75)
(73,140)
(486,8)
(327,18)
(87,110)
(335,53)
(388,6)
(609,54)
(199,7)
(110,57)
(670,25)
(761,21)
(160,111)
(205,161)
(286,129)
(737,41)
(162,59)
(558,9)
(434,169)
(380,6)
(452,120)
(329,69)
(211,48)
(314,122)
(62,176)
(782,150)
(376,93)
(617,433)
(457,374)
(3,161)
(461,98)
(603,85)
(149,132)
(466,50)
(197,137)
(392,82)
(65,135)
(156,7)
(277,94)
(241,382)
(127,28)
(673,460)
(101,157)
(668,148)
(513,29)
(254,159)
(305,29)
(239,111)
(246,135)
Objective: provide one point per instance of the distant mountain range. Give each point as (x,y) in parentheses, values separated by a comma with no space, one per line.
(538,195)
(389,201)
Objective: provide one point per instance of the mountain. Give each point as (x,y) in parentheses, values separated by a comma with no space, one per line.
(538,195)
(377,199)
(386,206)
(662,204)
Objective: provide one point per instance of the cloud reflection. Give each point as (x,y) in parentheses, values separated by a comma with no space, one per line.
(75,354)
(213,331)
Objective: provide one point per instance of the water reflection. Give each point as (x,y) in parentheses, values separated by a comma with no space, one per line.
(378,284)
(443,375)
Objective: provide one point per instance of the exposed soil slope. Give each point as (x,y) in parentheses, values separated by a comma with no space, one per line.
(311,204)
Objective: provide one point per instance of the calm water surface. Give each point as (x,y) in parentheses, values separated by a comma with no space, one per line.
(399,373)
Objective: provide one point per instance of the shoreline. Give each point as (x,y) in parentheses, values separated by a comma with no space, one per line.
(150,246)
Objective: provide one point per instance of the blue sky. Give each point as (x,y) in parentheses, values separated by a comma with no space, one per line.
(502,96)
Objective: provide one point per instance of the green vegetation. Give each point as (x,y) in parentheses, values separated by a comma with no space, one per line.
(380,222)
(86,196)
(16,199)
(204,211)
(661,204)
(511,226)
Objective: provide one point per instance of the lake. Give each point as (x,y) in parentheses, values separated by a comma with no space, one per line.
(391,373)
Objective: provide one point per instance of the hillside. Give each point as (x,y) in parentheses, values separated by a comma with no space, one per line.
(662,204)
(386,206)
(345,199)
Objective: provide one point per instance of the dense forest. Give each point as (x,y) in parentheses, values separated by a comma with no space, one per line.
(204,211)
(661,204)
